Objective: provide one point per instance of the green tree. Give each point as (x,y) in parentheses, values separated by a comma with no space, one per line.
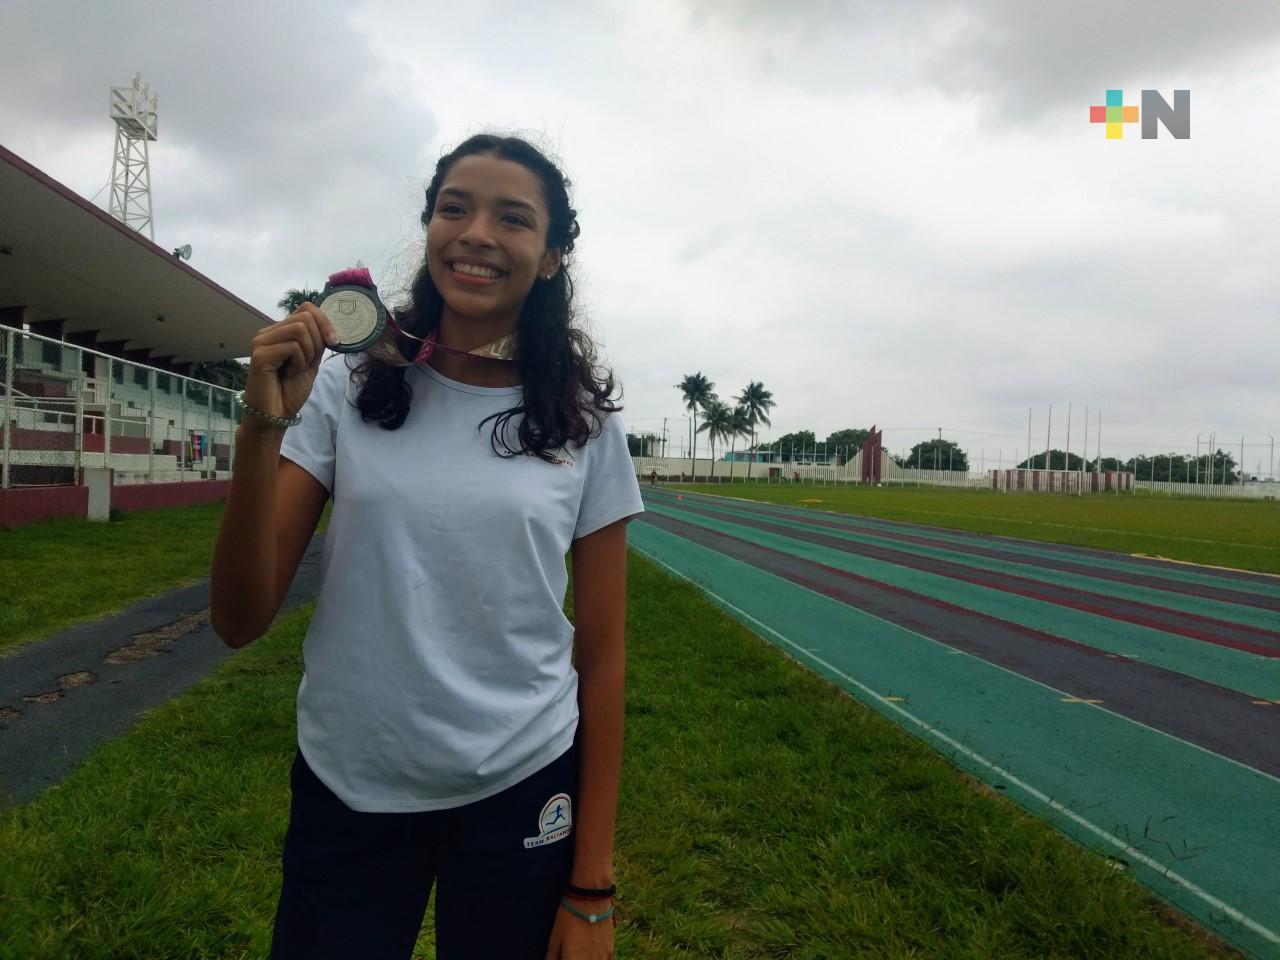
(1058,460)
(849,439)
(798,439)
(697,392)
(1211,468)
(937,455)
(717,421)
(1218,467)
(293,299)
(739,427)
(790,443)
(231,374)
(641,445)
(758,402)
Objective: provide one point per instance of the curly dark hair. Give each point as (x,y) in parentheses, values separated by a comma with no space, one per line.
(565,393)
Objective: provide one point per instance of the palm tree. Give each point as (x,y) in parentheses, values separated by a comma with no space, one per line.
(293,299)
(740,426)
(697,392)
(717,420)
(758,402)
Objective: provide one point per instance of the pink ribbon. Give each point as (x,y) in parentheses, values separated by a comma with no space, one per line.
(354,276)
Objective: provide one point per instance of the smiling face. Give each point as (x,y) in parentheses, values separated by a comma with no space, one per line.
(487,238)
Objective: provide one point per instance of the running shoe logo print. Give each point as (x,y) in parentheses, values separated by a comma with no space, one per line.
(555,822)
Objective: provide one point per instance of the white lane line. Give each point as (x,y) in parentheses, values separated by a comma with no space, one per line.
(1138,855)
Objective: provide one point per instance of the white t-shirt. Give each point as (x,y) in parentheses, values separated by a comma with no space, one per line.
(437,664)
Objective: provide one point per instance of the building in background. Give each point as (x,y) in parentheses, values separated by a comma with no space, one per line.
(99,329)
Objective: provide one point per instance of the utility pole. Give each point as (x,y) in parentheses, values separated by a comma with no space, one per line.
(1048,432)
(1067,466)
(1029,463)
(1098,471)
(1084,464)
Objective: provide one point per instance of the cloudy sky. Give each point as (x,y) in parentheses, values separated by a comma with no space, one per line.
(891,213)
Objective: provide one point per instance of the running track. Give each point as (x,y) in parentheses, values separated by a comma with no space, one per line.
(1132,703)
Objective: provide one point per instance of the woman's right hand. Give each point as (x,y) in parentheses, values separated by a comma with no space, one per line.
(285,359)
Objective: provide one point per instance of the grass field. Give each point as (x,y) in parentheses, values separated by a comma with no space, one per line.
(764,814)
(1231,533)
(54,573)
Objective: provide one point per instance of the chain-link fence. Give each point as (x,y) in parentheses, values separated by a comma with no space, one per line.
(66,408)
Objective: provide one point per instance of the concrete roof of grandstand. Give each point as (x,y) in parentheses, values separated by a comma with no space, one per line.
(63,258)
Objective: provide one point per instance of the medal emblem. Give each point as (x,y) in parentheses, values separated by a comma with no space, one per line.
(355,311)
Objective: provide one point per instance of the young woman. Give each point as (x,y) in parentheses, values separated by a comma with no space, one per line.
(454,728)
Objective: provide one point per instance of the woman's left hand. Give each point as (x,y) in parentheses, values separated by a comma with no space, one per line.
(573,938)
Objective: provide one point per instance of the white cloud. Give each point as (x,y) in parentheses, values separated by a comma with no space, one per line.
(886,212)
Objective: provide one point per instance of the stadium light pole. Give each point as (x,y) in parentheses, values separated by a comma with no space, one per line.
(1098,471)
(1084,464)
(1048,433)
(1067,466)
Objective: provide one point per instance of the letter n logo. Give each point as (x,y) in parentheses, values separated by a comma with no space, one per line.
(1176,119)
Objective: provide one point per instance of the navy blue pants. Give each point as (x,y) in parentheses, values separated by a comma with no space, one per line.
(357,884)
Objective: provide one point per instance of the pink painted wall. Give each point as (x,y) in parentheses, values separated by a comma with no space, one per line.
(149,496)
(23,506)
(33,504)
(96,443)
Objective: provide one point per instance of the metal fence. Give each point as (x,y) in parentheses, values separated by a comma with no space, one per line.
(675,469)
(65,408)
(1252,490)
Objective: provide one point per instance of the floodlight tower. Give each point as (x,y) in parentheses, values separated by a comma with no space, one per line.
(134,111)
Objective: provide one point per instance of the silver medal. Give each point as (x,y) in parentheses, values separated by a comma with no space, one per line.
(357,315)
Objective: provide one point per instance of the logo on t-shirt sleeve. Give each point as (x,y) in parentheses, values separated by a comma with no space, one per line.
(554,823)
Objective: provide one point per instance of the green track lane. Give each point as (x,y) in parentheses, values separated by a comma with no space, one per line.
(1238,670)
(1121,788)
(1169,599)
(1118,562)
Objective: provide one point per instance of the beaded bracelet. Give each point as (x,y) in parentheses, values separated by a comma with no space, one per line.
(270,418)
(589,917)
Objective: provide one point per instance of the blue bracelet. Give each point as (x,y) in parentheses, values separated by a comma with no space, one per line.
(589,917)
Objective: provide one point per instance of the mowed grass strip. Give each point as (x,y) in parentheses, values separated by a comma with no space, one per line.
(764,814)
(1242,534)
(62,572)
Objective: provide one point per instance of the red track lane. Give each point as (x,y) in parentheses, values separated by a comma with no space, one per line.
(1185,624)
(1224,594)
